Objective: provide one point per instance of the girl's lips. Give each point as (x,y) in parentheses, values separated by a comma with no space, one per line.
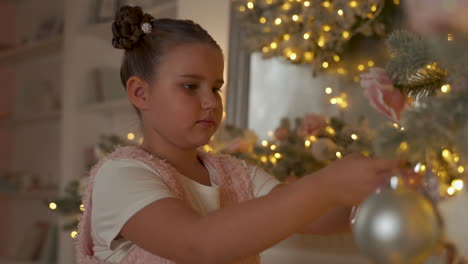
(206,123)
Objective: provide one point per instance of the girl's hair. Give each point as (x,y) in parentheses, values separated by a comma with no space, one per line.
(143,52)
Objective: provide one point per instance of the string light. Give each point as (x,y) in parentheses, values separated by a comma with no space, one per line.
(140,141)
(461,169)
(273,45)
(328,90)
(330,131)
(396,2)
(339,155)
(326,28)
(361,67)
(278,156)
(404,146)
(269,2)
(270,133)
(82,208)
(450,190)
(309,56)
(306,36)
(457,184)
(286,37)
(353,4)
(446,88)
(340,12)
(336,58)
(450,37)
(264,143)
(273,147)
(345,34)
(313,138)
(354,137)
(242,8)
(263,20)
(325,64)
(73,234)
(307,143)
(374,8)
(306,3)
(52,206)
(341,70)
(265,49)
(278,21)
(446,153)
(371,63)
(293,56)
(250,5)
(456,158)
(326,4)
(131,136)
(295,18)
(264,159)
(273,160)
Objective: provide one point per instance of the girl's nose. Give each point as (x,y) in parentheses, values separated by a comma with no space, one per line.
(209,100)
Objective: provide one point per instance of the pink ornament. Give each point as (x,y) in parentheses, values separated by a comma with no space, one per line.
(311,125)
(382,95)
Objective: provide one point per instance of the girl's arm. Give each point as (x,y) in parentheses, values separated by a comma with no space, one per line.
(171,229)
(335,221)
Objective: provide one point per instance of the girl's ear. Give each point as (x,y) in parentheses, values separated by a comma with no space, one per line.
(138,92)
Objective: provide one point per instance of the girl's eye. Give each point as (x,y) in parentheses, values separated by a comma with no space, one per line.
(190,86)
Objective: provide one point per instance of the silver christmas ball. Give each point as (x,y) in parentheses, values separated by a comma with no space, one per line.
(397,227)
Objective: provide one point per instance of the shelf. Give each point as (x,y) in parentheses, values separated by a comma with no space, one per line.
(32,50)
(104,30)
(29,195)
(108,108)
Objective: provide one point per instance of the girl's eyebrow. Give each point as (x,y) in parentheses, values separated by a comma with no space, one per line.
(199,77)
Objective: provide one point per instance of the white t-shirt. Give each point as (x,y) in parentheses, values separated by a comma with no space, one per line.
(122,187)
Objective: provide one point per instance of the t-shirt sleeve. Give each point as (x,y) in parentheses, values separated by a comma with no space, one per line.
(121,188)
(262,181)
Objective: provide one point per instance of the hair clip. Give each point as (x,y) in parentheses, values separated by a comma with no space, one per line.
(146,27)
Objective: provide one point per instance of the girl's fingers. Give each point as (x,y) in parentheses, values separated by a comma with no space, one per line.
(381,164)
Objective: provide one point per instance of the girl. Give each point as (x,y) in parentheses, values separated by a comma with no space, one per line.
(165,201)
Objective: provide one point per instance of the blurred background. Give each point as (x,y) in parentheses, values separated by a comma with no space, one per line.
(62,105)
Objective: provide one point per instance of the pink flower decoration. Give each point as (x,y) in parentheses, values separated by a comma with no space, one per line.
(281,133)
(311,125)
(382,95)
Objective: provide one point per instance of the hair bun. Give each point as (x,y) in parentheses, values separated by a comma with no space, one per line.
(126,28)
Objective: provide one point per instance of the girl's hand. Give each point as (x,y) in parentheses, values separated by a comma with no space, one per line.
(354,177)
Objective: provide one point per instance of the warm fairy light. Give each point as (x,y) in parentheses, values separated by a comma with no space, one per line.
(461,169)
(450,37)
(334,101)
(345,34)
(73,234)
(330,131)
(273,45)
(419,168)
(450,190)
(278,21)
(293,56)
(339,155)
(264,159)
(313,138)
(273,147)
(269,2)
(341,70)
(250,5)
(321,43)
(326,28)
(326,4)
(140,141)
(242,8)
(446,88)
(131,136)
(52,206)
(265,49)
(273,160)
(457,184)
(328,90)
(340,12)
(270,133)
(361,67)
(286,6)
(264,143)
(278,156)
(396,2)
(446,153)
(371,63)
(309,55)
(286,36)
(306,3)
(207,148)
(295,17)
(336,58)
(306,35)
(356,79)
(456,158)
(395,125)
(325,64)
(423,168)
(353,4)
(307,143)
(404,146)
(373,8)
(82,208)
(262,20)
(354,137)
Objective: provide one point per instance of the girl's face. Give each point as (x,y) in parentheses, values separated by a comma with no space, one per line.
(185,105)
